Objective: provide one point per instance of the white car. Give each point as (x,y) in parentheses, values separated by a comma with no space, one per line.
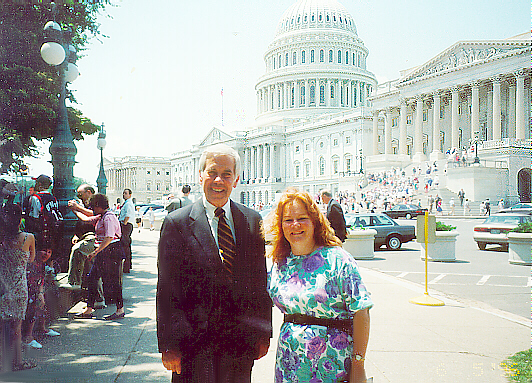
(494,230)
(159,214)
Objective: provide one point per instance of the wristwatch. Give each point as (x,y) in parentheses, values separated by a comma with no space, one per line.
(358,357)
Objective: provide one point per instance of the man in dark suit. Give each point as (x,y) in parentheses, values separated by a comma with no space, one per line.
(213,309)
(335,215)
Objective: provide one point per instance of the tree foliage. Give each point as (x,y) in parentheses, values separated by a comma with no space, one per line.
(29,88)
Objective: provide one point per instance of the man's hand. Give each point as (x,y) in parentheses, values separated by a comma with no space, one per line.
(73,204)
(172,361)
(262,347)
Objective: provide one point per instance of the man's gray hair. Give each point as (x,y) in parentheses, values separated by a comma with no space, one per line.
(326,193)
(221,150)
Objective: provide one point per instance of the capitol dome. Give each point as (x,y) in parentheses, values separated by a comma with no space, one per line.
(313,14)
(316,64)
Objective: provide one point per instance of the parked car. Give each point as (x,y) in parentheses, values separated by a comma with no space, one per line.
(389,232)
(519,208)
(405,210)
(159,215)
(494,230)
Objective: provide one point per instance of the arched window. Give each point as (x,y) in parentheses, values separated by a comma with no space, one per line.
(354,59)
(339,57)
(303,57)
(294,58)
(286,59)
(346,57)
(312,17)
(292,96)
(327,17)
(280,61)
(274,63)
(296,170)
(320,17)
(279,98)
(312,94)
(321,55)
(332,91)
(312,56)
(331,56)
(321,166)
(322,94)
(302,96)
(335,161)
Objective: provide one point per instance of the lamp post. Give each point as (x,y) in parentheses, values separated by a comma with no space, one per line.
(58,51)
(101,181)
(361,168)
(476,137)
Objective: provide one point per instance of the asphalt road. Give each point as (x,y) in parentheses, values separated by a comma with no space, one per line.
(483,277)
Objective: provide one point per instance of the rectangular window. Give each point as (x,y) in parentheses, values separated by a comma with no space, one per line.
(348,139)
(335,167)
(297,171)
(394,121)
(148,172)
(307,169)
(442,112)
(409,119)
(303,57)
(297,148)
(335,142)
(424,116)
(348,164)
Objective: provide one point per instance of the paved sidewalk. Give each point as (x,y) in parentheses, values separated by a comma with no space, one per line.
(409,343)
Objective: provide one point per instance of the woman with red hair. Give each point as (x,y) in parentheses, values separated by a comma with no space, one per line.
(317,286)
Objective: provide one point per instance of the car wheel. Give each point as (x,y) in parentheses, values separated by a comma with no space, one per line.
(481,245)
(408,216)
(393,243)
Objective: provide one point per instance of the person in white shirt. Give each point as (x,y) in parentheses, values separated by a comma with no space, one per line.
(126,217)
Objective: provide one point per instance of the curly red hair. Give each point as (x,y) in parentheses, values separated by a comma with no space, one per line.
(323,232)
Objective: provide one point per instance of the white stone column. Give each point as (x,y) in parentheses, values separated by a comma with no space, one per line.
(475,108)
(402,127)
(520,120)
(265,162)
(271,170)
(246,164)
(297,95)
(511,111)
(253,164)
(388,131)
(375,132)
(327,93)
(436,124)
(307,93)
(455,98)
(496,108)
(418,132)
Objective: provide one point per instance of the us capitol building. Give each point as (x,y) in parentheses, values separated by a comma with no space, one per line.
(323,121)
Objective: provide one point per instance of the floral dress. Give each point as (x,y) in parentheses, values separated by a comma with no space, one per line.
(323,284)
(13,283)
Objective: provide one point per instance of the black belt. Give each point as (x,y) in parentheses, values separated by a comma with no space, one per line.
(345,325)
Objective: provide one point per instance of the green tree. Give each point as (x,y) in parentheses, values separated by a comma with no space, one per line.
(29,88)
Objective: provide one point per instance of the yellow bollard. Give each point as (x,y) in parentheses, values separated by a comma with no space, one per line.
(426,299)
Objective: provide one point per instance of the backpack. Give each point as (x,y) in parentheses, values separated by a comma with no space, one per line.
(50,223)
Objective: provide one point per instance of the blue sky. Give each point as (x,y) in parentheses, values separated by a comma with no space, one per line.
(156,80)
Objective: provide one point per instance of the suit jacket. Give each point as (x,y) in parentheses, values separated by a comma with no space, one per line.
(335,215)
(198,304)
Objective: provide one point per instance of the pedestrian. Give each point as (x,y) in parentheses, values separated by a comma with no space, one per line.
(467,207)
(138,217)
(430,203)
(482,207)
(107,256)
(461,196)
(43,221)
(127,214)
(16,250)
(83,242)
(178,203)
(306,254)
(335,215)
(213,308)
(151,218)
(438,202)
(487,206)
(451,206)
(501,204)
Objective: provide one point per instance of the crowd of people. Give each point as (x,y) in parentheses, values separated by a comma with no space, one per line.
(30,234)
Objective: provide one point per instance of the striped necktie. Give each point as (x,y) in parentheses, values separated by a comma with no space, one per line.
(226,243)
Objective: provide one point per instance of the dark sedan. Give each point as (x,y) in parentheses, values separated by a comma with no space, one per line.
(405,210)
(389,232)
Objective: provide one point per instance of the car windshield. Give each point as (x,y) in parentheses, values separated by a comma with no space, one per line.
(508,220)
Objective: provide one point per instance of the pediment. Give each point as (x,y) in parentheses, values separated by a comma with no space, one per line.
(215,136)
(467,53)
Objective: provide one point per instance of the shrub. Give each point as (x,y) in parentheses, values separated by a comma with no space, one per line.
(443,227)
(524,227)
(518,367)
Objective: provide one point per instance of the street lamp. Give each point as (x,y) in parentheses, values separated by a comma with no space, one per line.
(476,137)
(361,168)
(101,181)
(57,51)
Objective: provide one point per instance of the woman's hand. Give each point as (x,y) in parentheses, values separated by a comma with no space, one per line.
(40,300)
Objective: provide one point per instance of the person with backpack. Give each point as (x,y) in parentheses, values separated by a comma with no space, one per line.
(178,203)
(43,221)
